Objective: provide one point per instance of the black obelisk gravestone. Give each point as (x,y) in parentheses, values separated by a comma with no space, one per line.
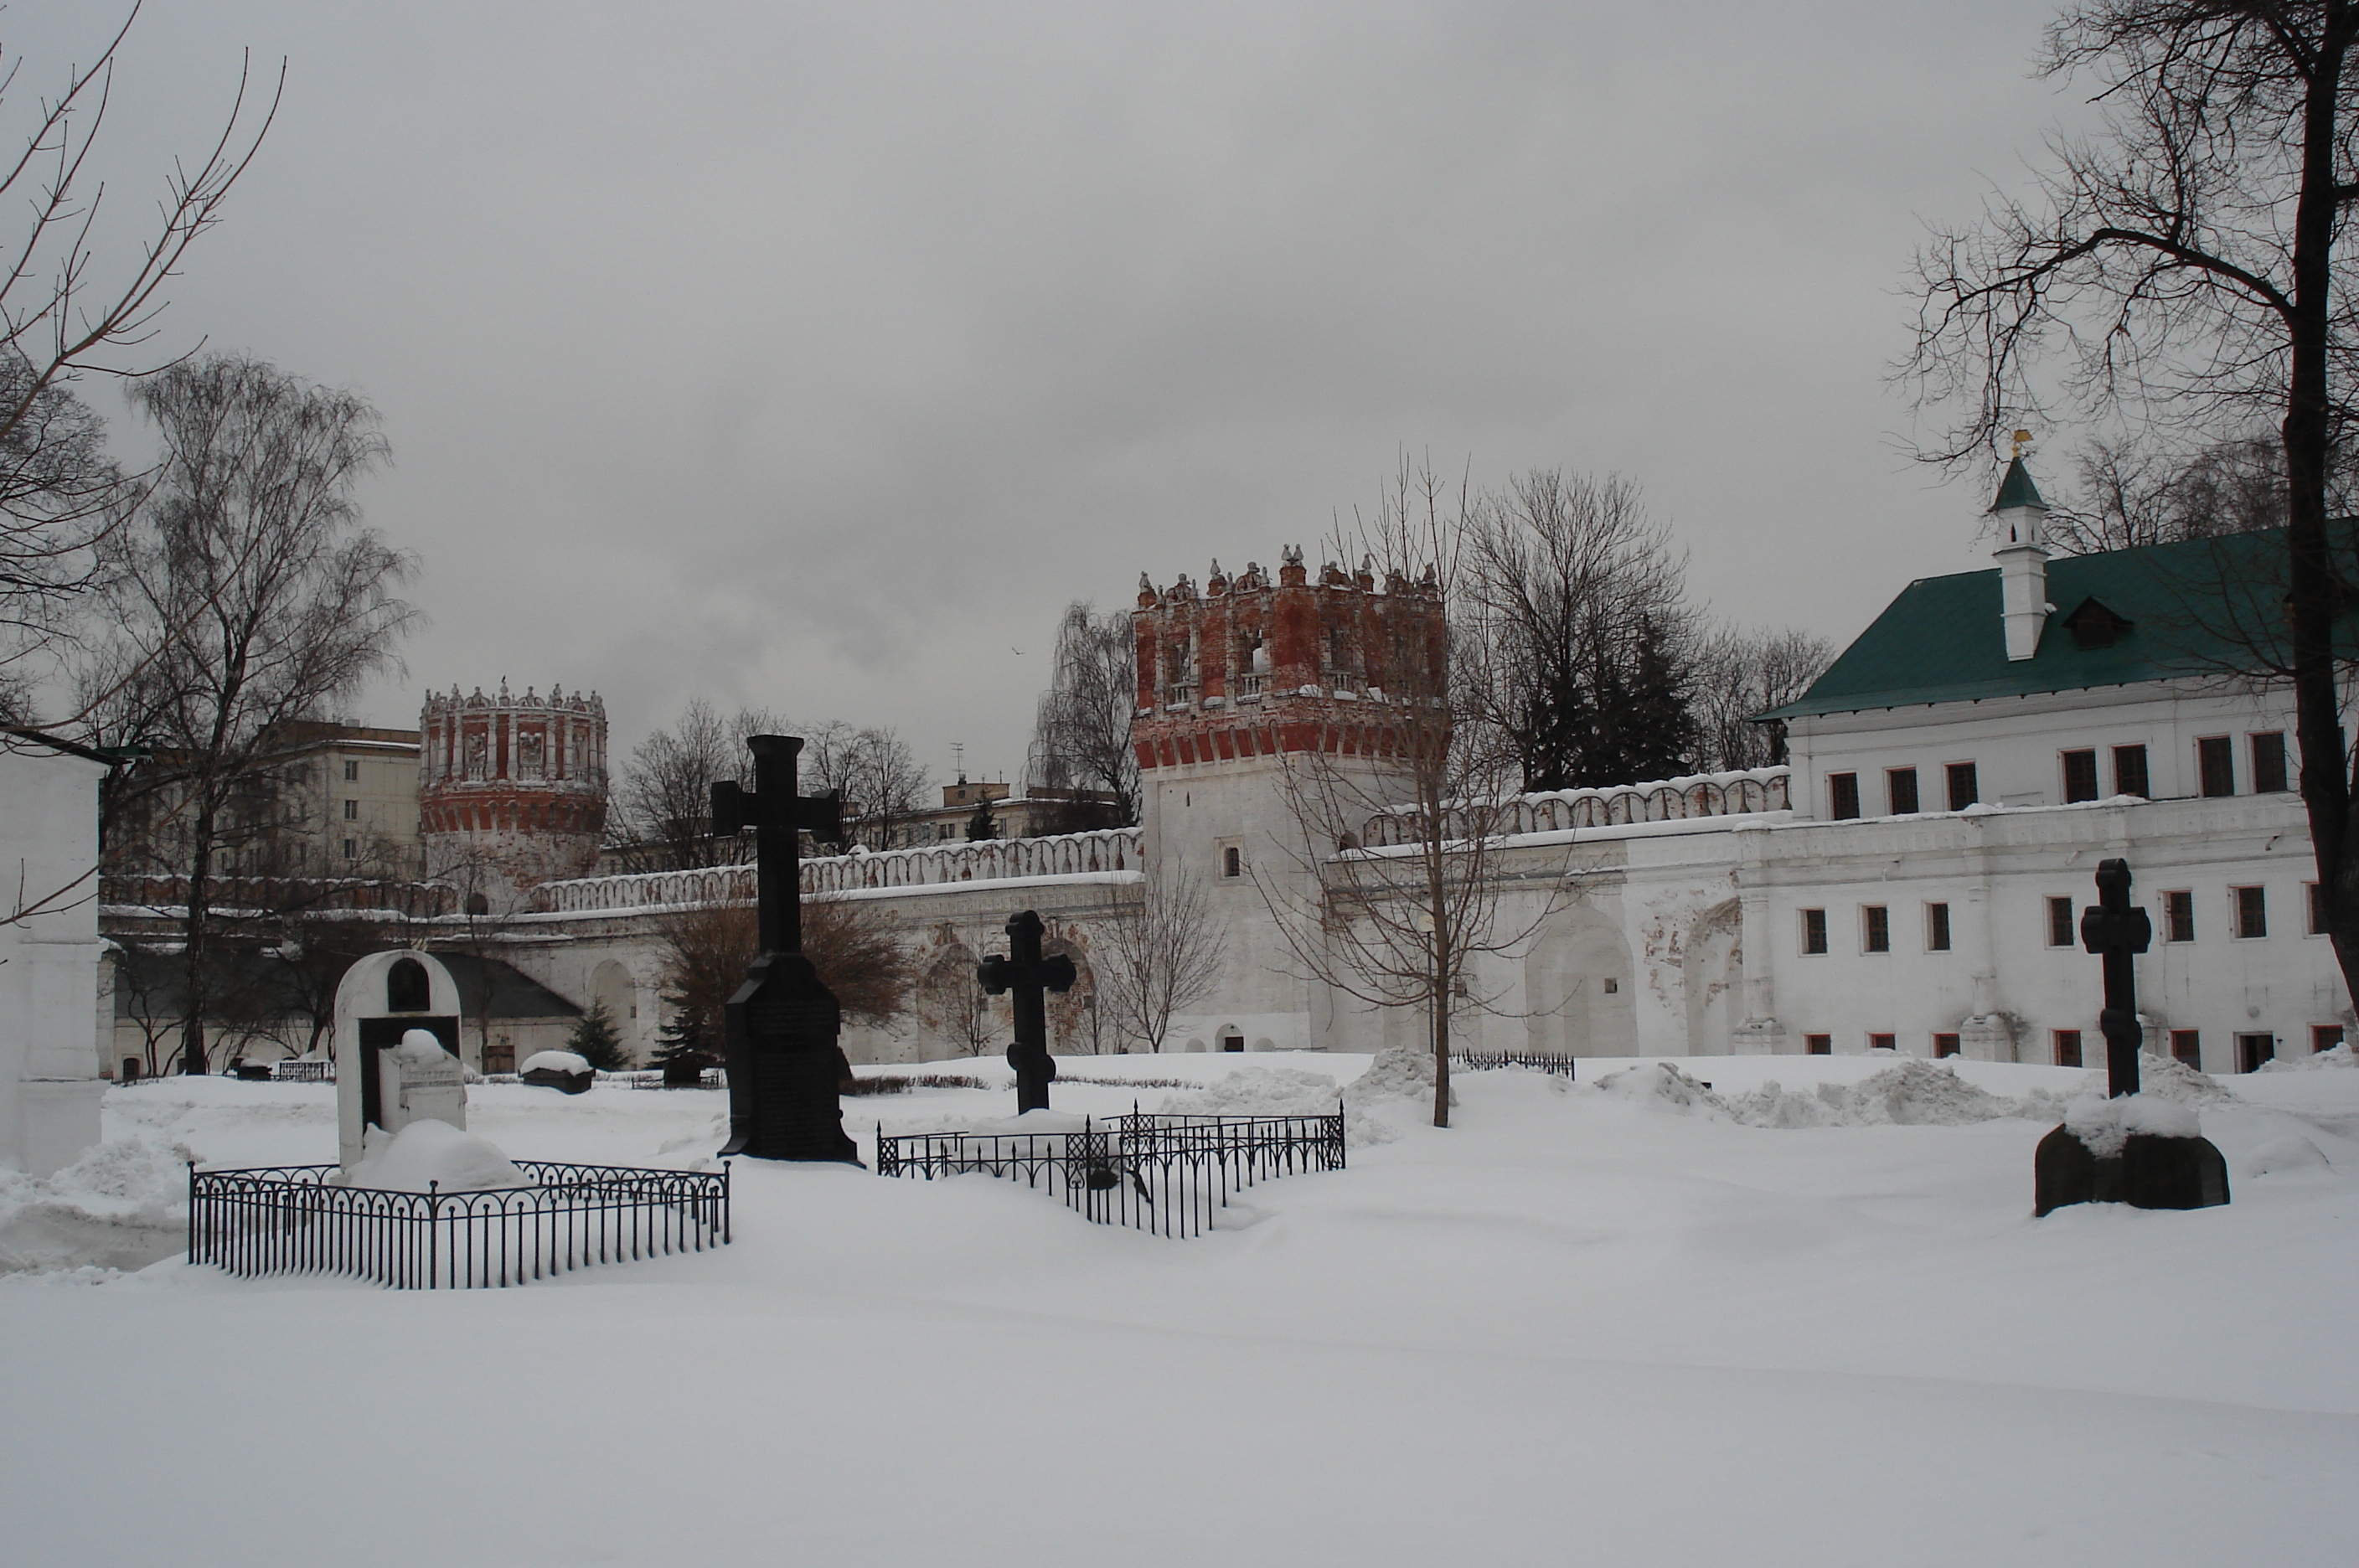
(1025,974)
(2146,1170)
(784,1060)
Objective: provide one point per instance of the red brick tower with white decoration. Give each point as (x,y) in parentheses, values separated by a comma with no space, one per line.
(511,792)
(1236,679)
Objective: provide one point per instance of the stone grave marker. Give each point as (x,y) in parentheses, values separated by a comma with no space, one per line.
(382,998)
(2132,1149)
(1027,977)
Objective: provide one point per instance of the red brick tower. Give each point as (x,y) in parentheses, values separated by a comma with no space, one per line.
(511,790)
(1237,682)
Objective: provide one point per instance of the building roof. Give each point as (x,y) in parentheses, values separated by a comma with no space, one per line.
(112,758)
(2200,606)
(2018,490)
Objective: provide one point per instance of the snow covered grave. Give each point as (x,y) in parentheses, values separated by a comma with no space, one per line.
(1168,1173)
(396,1049)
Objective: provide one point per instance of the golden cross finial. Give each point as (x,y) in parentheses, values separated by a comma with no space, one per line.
(2022,439)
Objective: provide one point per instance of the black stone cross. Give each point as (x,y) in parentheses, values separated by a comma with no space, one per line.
(2111,928)
(1028,976)
(785,1064)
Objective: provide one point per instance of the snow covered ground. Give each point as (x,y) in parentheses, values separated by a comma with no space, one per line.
(1586,1325)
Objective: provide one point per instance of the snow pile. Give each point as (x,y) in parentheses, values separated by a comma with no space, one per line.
(1913,1093)
(435,1152)
(2104,1126)
(124,1204)
(1403,1074)
(2169,1078)
(2339,1057)
(1291,1092)
(553,1062)
(1659,1083)
(418,1048)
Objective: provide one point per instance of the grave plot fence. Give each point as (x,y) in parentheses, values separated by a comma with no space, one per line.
(292,1219)
(1539,1061)
(1167,1174)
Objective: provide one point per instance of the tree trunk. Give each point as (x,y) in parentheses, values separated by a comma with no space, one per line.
(2315,597)
(1440,1028)
(195,936)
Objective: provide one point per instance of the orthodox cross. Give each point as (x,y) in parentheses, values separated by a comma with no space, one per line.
(778,817)
(1028,976)
(786,1065)
(2115,931)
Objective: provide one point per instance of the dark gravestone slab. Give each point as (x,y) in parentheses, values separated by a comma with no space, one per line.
(2150,1171)
(558,1079)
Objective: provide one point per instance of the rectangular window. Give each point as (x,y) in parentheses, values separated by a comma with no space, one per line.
(1819,1044)
(1814,930)
(2079,776)
(2325,1036)
(2314,896)
(1883,1042)
(1964,791)
(352,770)
(2215,765)
(2059,922)
(1875,929)
(2269,763)
(2068,1048)
(1842,796)
(1900,787)
(2129,771)
(352,849)
(2252,1050)
(1945,1045)
(352,810)
(2187,1047)
(2179,916)
(1232,861)
(2252,910)
(1936,928)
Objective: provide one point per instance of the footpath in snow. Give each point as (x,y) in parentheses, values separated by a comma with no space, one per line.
(1759,1311)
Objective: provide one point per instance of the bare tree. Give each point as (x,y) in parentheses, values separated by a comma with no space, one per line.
(1394,874)
(661,814)
(1574,638)
(881,782)
(853,947)
(63,314)
(952,1001)
(1739,675)
(246,595)
(1162,959)
(2183,264)
(2131,493)
(1080,734)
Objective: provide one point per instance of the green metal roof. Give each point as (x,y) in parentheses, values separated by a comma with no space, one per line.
(2196,607)
(2017,489)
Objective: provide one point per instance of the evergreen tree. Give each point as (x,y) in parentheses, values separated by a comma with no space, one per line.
(597,1041)
(679,1047)
(981,824)
(1659,731)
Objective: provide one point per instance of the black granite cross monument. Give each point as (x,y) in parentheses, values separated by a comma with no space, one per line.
(784,1060)
(2131,1163)
(2116,932)
(1027,975)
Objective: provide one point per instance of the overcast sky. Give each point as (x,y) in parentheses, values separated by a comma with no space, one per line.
(816,355)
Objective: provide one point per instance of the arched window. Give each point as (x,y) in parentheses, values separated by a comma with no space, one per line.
(407,989)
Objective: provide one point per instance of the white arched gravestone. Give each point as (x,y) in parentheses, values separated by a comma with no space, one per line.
(381,999)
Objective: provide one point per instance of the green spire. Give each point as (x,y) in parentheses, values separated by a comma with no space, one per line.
(2017,489)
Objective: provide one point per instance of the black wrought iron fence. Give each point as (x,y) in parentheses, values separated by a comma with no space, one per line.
(294,1219)
(1168,1174)
(303,1072)
(1538,1060)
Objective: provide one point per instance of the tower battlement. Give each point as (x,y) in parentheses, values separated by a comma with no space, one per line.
(511,790)
(1248,666)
